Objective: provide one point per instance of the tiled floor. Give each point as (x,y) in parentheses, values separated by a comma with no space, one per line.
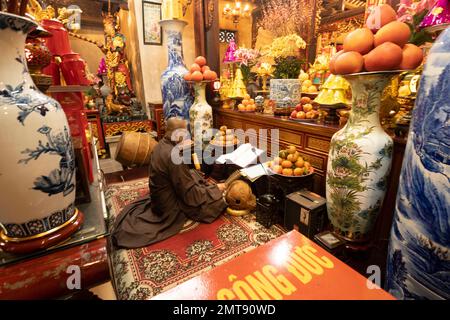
(110,166)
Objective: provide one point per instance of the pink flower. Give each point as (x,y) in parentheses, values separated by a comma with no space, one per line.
(405,18)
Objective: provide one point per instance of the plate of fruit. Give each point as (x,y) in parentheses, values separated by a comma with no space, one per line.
(304,111)
(247,104)
(200,72)
(290,163)
(224,138)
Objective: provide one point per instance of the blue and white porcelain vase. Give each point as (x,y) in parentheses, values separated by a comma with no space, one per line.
(282,88)
(359,161)
(419,250)
(201,116)
(176,93)
(37,165)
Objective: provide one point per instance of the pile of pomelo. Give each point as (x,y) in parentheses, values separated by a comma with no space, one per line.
(381,45)
(200,71)
(247,104)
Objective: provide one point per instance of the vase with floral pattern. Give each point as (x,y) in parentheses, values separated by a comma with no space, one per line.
(200,114)
(285,88)
(37,166)
(359,161)
(418,265)
(176,94)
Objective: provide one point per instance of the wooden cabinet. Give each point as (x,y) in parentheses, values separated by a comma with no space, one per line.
(157,116)
(313,142)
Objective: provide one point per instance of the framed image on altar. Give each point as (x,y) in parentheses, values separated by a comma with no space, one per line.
(151,15)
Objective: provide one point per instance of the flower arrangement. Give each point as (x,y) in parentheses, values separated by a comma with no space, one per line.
(286,46)
(285,51)
(412,12)
(247,58)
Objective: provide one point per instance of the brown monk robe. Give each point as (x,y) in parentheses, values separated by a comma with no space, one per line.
(176,195)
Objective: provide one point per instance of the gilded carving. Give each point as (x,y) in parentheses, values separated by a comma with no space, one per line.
(113,129)
(318,144)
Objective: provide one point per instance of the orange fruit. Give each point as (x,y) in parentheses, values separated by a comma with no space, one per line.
(195,67)
(291,149)
(287,172)
(305,100)
(286,164)
(200,60)
(188,76)
(197,76)
(277,169)
(298,172)
(292,158)
(307,165)
(277,160)
(210,75)
(300,163)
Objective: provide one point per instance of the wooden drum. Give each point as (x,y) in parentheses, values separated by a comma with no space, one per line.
(135,148)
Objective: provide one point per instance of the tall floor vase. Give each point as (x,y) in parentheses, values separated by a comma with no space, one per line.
(176,93)
(201,116)
(359,161)
(37,165)
(419,251)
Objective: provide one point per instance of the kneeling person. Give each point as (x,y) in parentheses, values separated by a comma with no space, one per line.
(176,195)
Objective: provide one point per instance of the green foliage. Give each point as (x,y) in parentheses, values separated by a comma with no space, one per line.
(287,68)
(246,73)
(419,36)
(344,204)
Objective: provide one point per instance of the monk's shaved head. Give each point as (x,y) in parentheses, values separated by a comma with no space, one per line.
(174,124)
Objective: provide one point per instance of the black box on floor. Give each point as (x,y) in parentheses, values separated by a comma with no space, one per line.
(268,210)
(306,212)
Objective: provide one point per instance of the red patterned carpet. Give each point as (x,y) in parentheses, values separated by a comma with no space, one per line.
(146,272)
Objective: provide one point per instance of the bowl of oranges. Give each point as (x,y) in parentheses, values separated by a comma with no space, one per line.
(290,163)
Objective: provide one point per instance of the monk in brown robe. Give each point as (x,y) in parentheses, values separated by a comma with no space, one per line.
(176,195)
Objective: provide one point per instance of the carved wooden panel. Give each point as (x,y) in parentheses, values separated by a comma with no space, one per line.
(209,13)
(316,162)
(291,137)
(318,144)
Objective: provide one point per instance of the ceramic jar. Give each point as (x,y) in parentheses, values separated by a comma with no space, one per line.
(419,251)
(282,88)
(58,43)
(37,166)
(359,161)
(73,68)
(200,114)
(176,94)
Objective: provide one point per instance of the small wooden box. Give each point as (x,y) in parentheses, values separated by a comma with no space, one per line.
(306,212)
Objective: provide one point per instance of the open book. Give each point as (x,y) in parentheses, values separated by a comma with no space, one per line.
(243,156)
